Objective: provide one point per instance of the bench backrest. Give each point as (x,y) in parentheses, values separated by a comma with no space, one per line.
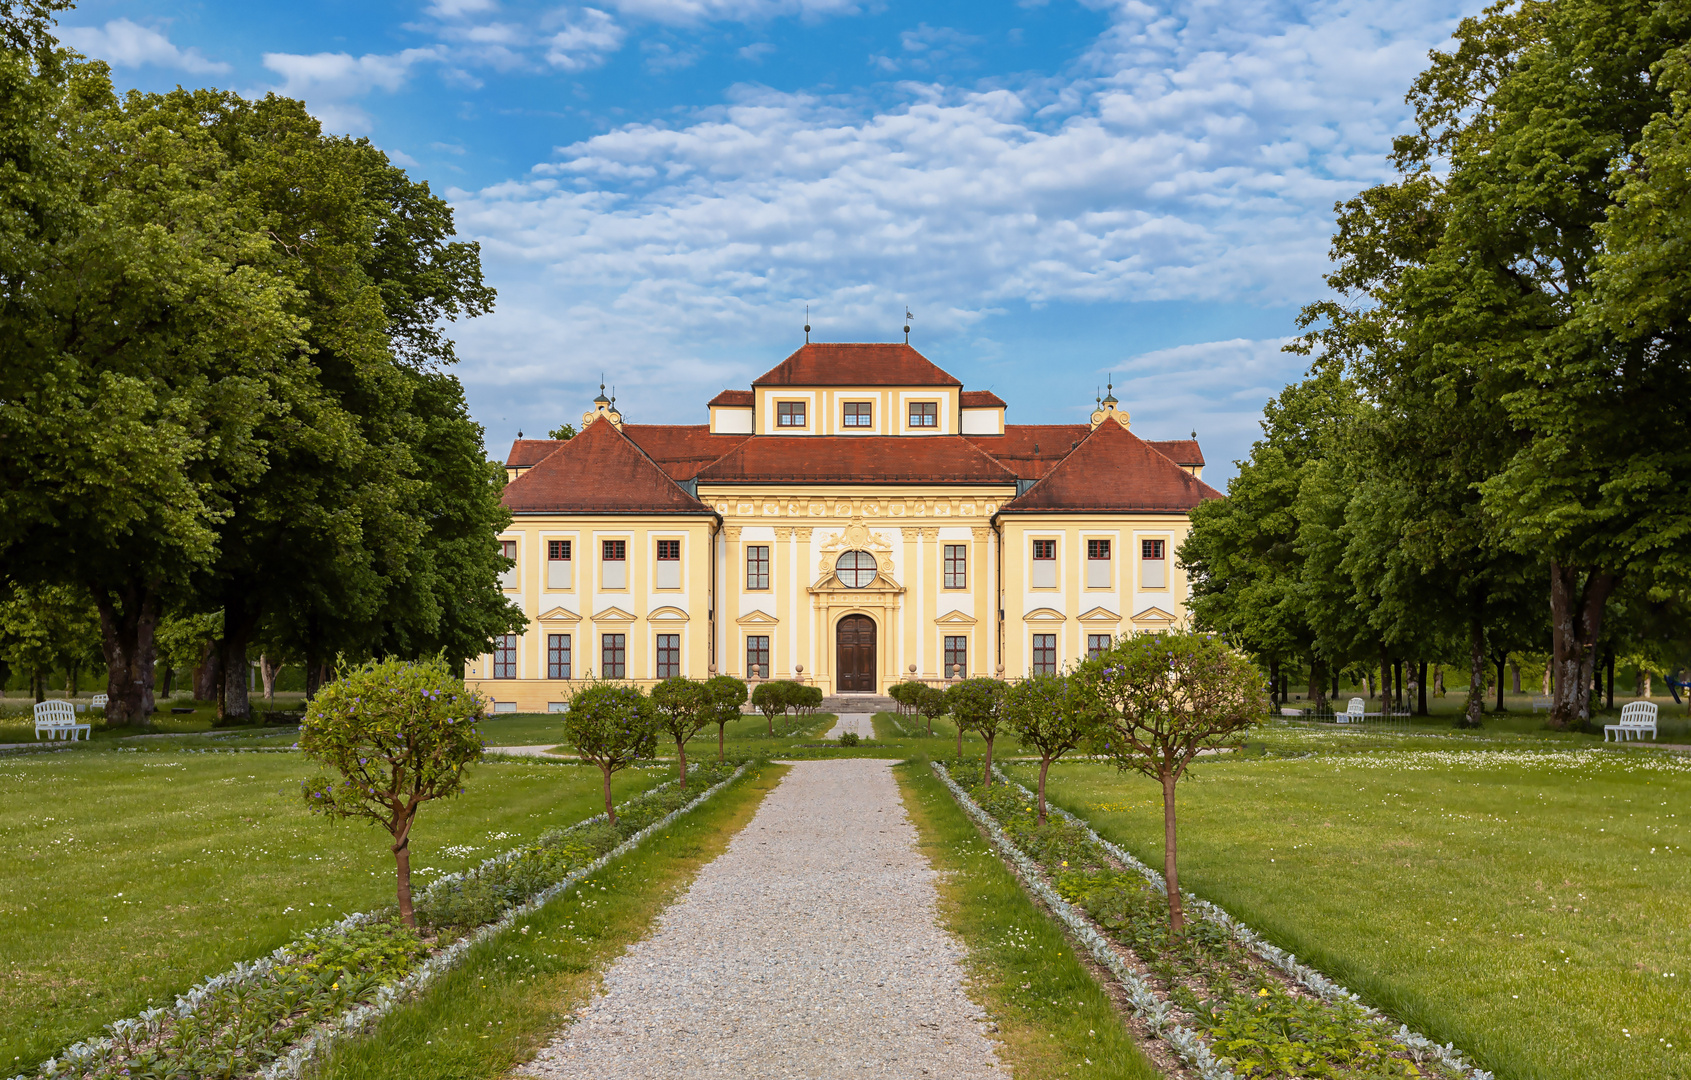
(1357,707)
(55,712)
(99,701)
(1636,711)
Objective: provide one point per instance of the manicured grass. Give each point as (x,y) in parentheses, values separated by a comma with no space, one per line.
(1053,1018)
(126,876)
(510,994)
(18,724)
(1527,905)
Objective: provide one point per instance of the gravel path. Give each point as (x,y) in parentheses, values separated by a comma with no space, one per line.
(809,948)
(862,723)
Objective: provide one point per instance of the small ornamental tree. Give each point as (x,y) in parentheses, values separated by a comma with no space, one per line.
(977,705)
(1052,714)
(727,694)
(683,707)
(613,725)
(773,697)
(1165,698)
(398,734)
(930,701)
(905,694)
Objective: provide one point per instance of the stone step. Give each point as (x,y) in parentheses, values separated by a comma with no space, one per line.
(839,704)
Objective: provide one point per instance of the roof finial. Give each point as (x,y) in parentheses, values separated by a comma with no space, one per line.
(807,324)
(907,318)
(601,399)
(1194,433)
(519,433)
(1110,392)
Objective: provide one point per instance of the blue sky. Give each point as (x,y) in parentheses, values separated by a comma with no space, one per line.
(1059,191)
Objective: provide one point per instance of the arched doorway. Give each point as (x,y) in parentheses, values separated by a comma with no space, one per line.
(854,639)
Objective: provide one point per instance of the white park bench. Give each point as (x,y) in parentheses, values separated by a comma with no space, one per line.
(1540,703)
(1354,713)
(98,702)
(1637,717)
(58,720)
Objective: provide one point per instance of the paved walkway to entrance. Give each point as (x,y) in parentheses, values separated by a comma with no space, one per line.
(809,948)
(862,723)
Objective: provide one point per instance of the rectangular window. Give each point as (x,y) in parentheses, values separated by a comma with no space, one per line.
(789,414)
(956,566)
(1153,568)
(757,656)
(559,566)
(924,414)
(757,566)
(859,414)
(1096,645)
(1097,564)
(508,578)
(956,657)
(1044,575)
(668,574)
(669,656)
(505,656)
(1045,654)
(613,564)
(613,657)
(557,656)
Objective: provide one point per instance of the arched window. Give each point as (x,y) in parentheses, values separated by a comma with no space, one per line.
(855,569)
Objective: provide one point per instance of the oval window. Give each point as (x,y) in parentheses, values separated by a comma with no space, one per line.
(855,569)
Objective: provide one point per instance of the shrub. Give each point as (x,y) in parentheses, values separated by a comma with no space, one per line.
(683,707)
(399,734)
(848,738)
(613,725)
(727,694)
(905,693)
(809,698)
(977,705)
(774,697)
(930,701)
(1053,714)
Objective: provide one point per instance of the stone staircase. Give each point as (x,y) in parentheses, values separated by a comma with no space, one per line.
(840,704)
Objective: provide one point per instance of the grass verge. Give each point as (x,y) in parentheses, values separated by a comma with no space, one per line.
(1054,1020)
(1527,906)
(510,994)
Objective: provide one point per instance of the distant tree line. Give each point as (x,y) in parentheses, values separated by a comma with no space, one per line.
(1491,452)
(225,410)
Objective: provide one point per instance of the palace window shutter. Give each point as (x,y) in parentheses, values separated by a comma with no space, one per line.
(613,565)
(668,573)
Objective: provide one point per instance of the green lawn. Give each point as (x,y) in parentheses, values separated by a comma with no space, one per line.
(1527,904)
(126,876)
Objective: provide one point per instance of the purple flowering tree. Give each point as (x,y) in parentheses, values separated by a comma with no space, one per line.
(394,734)
(613,725)
(1165,698)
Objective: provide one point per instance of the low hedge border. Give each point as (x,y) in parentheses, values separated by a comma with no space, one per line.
(307,1017)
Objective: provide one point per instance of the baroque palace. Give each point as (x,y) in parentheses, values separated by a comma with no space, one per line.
(854,519)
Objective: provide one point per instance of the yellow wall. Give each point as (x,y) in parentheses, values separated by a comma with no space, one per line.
(825,409)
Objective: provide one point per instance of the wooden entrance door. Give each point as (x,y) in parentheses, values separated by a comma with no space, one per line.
(855,637)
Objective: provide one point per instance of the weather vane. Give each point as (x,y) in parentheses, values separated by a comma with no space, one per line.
(907,318)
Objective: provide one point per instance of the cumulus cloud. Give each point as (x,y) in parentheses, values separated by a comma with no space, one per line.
(585,39)
(330,83)
(693,11)
(126,44)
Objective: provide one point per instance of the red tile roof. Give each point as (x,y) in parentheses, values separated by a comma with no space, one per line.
(529,452)
(847,459)
(981,399)
(681,450)
(1114,471)
(1030,450)
(598,472)
(738,399)
(1180,451)
(855,365)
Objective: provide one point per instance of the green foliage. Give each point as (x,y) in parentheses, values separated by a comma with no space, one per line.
(398,734)
(932,703)
(777,697)
(1052,714)
(563,432)
(848,738)
(905,694)
(683,706)
(46,628)
(613,725)
(977,705)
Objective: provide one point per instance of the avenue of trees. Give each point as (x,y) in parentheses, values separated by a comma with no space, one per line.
(226,414)
(1490,454)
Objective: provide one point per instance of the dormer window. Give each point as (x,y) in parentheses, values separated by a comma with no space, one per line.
(924,414)
(859,414)
(789,414)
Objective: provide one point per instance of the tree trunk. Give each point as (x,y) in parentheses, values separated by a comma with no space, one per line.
(1474,714)
(986,780)
(719,756)
(1397,683)
(1515,673)
(1438,680)
(1421,690)
(610,807)
(1548,664)
(1385,680)
(402,864)
(1274,682)
(1609,697)
(1044,767)
(1317,684)
(209,673)
(1577,604)
(1500,661)
(70,679)
(38,684)
(1171,866)
(128,619)
(239,621)
(269,669)
(959,724)
(681,753)
(1644,692)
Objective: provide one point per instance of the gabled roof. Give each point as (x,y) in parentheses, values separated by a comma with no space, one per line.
(1116,471)
(737,399)
(1180,451)
(1030,450)
(529,452)
(847,459)
(980,399)
(681,450)
(598,471)
(845,364)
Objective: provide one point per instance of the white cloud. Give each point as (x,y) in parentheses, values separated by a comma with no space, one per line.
(126,44)
(587,37)
(693,11)
(456,9)
(327,82)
